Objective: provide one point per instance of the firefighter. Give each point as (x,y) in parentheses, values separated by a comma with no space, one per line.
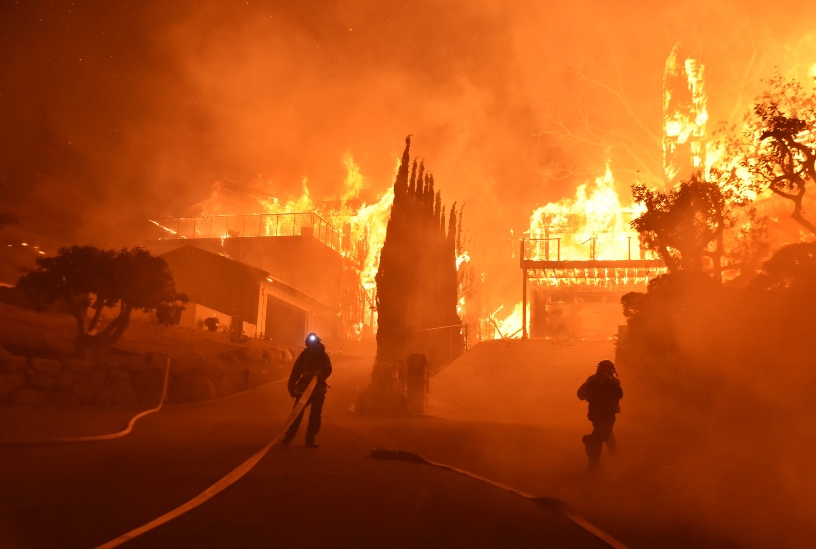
(313,361)
(603,392)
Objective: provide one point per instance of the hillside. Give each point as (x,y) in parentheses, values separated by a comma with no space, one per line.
(37,366)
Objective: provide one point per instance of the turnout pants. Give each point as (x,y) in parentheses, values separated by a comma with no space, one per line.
(601,432)
(316,403)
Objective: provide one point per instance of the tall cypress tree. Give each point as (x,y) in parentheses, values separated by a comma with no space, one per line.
(390,278)
(417,286)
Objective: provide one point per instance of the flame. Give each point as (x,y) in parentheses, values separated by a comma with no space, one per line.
(461,259)
(303,204)
(159,225)
(510,327)
(685,115)
(364,225)
(592,225)
(354,179)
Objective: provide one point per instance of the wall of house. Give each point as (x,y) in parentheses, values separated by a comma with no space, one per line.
(302,262)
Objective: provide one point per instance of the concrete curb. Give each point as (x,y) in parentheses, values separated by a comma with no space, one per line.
(553,504)
(98,438)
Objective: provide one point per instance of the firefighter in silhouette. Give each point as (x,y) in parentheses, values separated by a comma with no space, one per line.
(603,392)
(312,362)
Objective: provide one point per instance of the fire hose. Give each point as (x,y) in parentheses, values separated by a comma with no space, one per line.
(554,504)
(99,438)
(228,480)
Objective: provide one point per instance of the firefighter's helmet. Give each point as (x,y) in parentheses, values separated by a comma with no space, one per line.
(607,367)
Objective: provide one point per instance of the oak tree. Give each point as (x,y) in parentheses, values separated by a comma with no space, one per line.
(89,277)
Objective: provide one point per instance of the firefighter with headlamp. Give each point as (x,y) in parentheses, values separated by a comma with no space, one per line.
(603,393)
(312,362)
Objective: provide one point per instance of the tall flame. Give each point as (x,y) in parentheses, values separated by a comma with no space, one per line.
(370,224)
(508,326)
(591,225)
(302,204)
(685,115)
(354,179)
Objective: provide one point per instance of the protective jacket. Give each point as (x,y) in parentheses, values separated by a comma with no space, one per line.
(603,394)
(313,361)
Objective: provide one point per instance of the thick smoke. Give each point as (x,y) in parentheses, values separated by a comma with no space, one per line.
(117,111)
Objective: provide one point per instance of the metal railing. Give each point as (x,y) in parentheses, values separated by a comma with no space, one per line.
(246,226)
(540,247)
(442,345)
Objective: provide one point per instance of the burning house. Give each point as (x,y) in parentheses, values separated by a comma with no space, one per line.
(282,275)
(578,260)
(685,115)
(581,255)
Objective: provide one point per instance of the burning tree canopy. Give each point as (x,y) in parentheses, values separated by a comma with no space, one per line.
(772,156)
(781,128)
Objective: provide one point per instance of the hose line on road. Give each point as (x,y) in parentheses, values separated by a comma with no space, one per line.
(553,504)
(231,478)
(98,438)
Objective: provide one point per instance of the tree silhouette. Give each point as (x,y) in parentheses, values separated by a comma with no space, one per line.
(128,279)
(681,224)
(777,148)
(417,281)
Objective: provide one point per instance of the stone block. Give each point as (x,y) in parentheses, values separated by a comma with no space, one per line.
(271,356)
(122,394)
(4,354)
(186,364)
(47,366)
(65,379)
(77,365)
(13,365)
(118,376)
(28,397)
(192,388)
(147,382)
(223,387)
(10,382)
(210,370)
(104,397)
(66,399)
(88,385)
(132,365)
(42,381)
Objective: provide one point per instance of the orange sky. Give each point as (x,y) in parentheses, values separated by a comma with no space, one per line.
(115,111)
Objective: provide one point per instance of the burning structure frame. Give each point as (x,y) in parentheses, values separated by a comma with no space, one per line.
(577,276)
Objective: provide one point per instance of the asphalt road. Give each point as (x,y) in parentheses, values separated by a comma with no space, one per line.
(337,496)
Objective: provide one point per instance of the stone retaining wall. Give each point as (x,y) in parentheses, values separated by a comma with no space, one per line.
(136,380)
